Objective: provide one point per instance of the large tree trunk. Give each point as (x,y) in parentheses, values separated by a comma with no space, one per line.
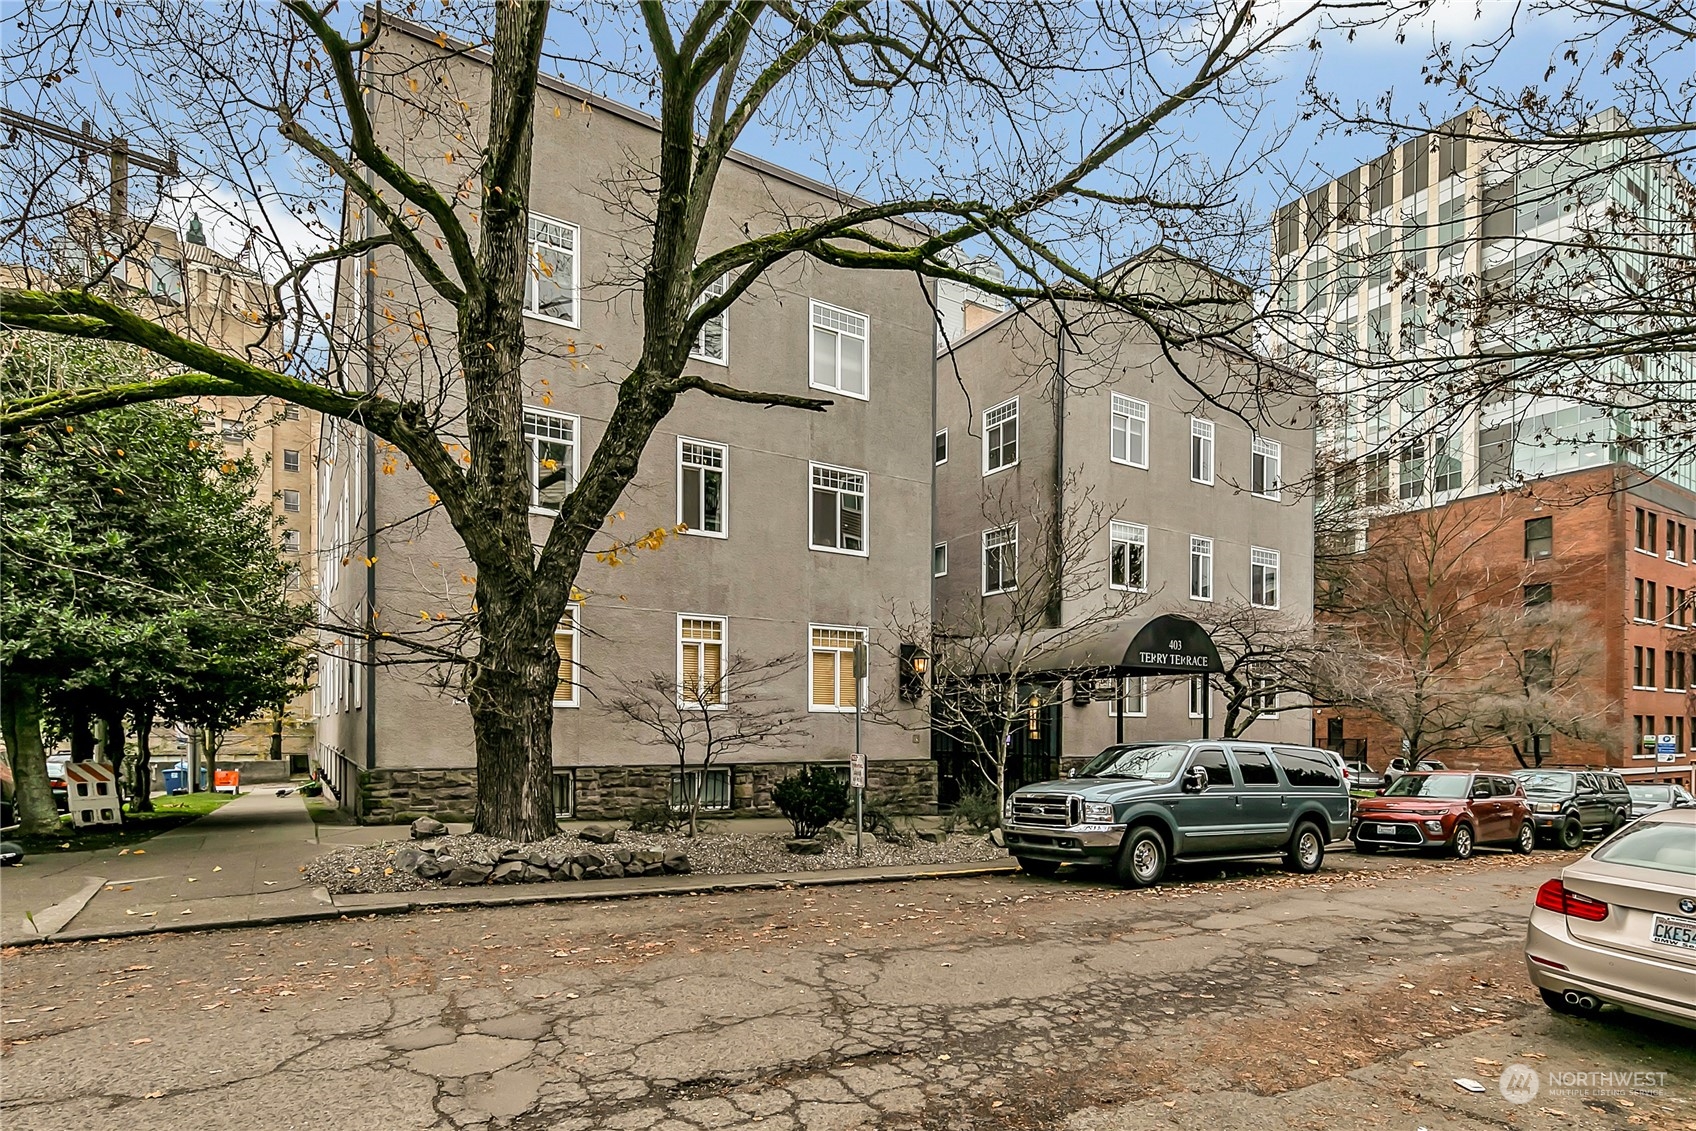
(112,745)
(20,717)
(82,736)
(512,716)
(141,793)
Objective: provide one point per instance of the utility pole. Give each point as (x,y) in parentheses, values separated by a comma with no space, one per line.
(117,151)
(857,768)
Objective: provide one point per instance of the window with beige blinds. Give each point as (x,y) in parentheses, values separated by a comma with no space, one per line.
(700,659)
(565,643)
(834,687)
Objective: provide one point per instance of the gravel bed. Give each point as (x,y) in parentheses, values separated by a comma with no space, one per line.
(370,867)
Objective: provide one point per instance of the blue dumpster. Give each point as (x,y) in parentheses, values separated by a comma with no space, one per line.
(176,781)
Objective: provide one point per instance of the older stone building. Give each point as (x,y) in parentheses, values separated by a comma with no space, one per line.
(800,527)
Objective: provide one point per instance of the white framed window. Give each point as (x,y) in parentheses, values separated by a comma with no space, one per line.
(712,342)
(1128,432)
(839,350)
(700,660)
(1201,450)
(553,449)
(1130,697)
(1198,696)
(291,412)
(1201,568)
(291,500)
(291,460)
(1263,578)
(1001,559)
(1263,696)
(1128,559)
(939,449)
(291,541)
(702,502)
(939,560)
(1268,468)
(1001,436)
(551,291)
(832,686)
(838,509)
(565,644)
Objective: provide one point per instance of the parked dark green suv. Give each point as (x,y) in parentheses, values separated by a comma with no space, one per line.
(1570,804)
(1135,808)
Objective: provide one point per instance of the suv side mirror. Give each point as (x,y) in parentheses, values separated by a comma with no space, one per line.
(1195,780)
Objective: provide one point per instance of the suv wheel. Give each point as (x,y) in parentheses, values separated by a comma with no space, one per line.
(1527,839)
(1038,867)
(1461,845)
(1619,822)
(1142,859)
(1571,834)
(1307,850)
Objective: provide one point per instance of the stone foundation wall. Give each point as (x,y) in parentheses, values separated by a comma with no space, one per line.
(608,793)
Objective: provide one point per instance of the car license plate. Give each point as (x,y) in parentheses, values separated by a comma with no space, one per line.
(1386,830)
(1670,931)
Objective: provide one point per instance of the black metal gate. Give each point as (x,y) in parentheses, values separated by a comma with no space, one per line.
(1028,759)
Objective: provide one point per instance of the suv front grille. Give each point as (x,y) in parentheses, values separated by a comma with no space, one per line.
(1051,810)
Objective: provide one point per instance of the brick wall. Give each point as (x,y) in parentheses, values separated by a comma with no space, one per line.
(1593,565)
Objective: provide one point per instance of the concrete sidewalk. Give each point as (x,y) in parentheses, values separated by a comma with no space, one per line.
(239,863)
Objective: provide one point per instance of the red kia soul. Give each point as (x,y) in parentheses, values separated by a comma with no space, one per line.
(1446,810)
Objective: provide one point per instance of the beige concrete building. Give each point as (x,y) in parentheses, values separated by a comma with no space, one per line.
(803,526)
(1175,502)
(196,291)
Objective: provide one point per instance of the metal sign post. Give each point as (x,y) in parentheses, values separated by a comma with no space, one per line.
(857,768)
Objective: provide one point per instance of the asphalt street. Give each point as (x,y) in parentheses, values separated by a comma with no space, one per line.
(1232,997)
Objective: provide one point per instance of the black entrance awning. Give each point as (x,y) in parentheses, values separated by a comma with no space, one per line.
(1166,645)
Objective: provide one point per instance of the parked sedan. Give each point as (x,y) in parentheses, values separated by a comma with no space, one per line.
(1619,926)
(1362,776)
(1652,797)
(1449,810)
(56,764)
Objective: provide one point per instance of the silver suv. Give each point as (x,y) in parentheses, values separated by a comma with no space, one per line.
(1136,808)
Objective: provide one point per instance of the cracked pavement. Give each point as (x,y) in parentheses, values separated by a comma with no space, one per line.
(1231,995)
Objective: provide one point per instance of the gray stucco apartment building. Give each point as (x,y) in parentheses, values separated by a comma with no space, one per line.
(802,526)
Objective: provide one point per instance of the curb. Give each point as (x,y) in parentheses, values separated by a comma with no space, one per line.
(401,903)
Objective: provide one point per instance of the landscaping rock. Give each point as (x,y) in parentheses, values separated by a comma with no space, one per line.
(408,857)
(676,864)
(575,869)
(599,834)
(535,875)
(996,838)
(467,874)
(831,835)
(932,836)
(623,855)
(536,858)
(507,872)
(651,860)
(429,866)
(587,860)
(426,827)
(513,852)
(804,847)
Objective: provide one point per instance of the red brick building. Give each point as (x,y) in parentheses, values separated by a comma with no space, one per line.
(1616,543)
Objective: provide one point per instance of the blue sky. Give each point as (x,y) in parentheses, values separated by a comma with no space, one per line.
(1365,70)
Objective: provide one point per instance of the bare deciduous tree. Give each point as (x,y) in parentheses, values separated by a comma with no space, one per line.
(279,114)
(1543,680)
(711,716)
(998,663)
